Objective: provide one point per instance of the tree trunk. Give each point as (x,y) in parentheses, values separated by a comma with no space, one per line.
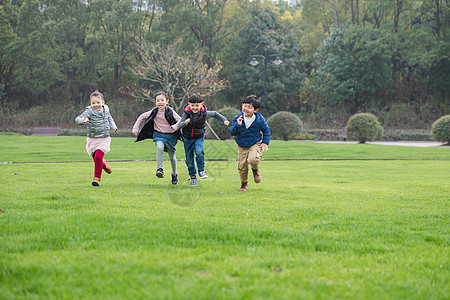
(357,12)
(438,17)
(353,13)
(336,13)
(397,12)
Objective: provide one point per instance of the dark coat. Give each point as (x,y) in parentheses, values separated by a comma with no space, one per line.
(196,128)
(148,129)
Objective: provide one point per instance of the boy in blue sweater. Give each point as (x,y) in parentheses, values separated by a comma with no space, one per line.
(252,135)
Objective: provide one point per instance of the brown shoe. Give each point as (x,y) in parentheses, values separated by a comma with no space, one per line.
(96,181)
(106,167)
(243,187)
(257,175)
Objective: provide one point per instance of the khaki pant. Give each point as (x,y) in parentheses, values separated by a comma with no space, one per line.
(248,156)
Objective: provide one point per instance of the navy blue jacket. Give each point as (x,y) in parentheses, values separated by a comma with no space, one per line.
(246,137)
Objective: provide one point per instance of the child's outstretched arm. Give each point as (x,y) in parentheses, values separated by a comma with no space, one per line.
(218,116)
(139,120)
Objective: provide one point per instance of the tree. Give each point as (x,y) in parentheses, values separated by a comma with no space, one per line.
(44,53)
(208,24)
(116,28)
(176,72)
(204,25)
(265,33)
(351,72)
(8,15)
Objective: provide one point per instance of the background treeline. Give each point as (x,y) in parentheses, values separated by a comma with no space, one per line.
(340,57)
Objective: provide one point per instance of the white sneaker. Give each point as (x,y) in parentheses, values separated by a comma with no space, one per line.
(202,174)
(193,181)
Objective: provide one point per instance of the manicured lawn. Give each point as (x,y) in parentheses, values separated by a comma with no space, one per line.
(311,230)
(72,148)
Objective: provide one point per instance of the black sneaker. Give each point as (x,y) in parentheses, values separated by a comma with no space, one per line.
(174,178)
(159,173)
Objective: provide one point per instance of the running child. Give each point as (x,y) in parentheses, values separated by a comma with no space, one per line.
(252,135)
(98,142)
(193,123)
(157,126)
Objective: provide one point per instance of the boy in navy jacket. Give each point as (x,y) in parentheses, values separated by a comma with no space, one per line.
(252,135)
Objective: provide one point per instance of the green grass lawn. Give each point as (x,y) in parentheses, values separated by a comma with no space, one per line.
(72,148)
(311,230)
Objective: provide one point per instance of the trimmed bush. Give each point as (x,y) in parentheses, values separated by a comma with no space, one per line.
(285,125)
(222,131)
(363,127)
(441,129)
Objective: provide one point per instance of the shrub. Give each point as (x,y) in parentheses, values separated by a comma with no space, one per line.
(364,127)
(285,125)
(400,115)
(222,131)
(441,129)
(306,137)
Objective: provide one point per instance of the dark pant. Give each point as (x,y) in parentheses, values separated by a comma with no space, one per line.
(194,147)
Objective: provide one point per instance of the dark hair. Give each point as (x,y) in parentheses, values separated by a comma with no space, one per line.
(160,93)
(96,94)
(195,98)
(253,100)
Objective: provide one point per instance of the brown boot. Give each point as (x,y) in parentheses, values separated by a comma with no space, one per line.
(96,181)
(106,167)
(243,187)
(257,175)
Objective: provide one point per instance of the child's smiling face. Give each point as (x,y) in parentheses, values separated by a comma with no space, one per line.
(248,110)
(161,101)
(97,102)
(195,107)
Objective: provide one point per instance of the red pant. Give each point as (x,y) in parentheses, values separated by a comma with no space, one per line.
(98,163)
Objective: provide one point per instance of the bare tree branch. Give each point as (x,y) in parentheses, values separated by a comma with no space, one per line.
(177,73)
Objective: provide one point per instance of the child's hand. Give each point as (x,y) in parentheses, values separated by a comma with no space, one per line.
(187,121)
(114,130)
(226,122)
(86,120)
(264,147)
(174,127)
(239,120)
(134,133)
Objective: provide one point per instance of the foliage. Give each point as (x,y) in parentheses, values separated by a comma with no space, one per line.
(177,73)
(11,133)
(306,136)
(265,35)
(364,127)
(285,125)
(441,129)
(222,131)
(356,55)
(400,115)
(348,75)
